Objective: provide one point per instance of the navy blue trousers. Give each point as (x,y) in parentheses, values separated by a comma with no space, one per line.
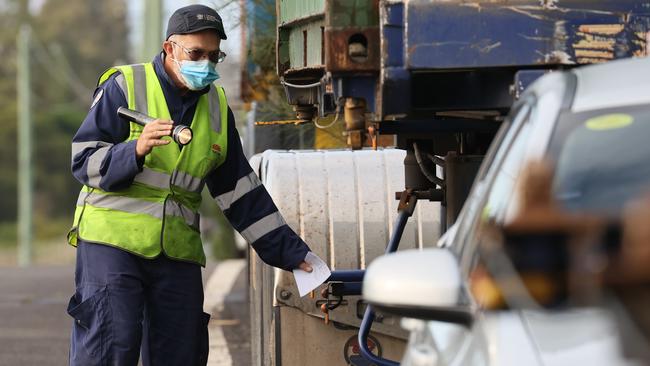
(125,305)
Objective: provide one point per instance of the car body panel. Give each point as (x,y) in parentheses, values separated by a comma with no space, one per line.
(534,337)
(626,79)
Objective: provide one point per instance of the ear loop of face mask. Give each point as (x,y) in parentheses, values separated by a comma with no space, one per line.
(178,64)
(194,84)
(171,57)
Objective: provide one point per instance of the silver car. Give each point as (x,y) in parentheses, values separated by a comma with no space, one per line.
(593,124)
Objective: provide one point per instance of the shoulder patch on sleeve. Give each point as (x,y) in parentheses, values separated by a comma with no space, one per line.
(98,97)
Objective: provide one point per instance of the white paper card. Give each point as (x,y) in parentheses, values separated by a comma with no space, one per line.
(306,281)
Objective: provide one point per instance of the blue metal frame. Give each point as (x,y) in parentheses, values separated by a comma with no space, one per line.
(517,33)
(369,315)
(358,86)
(352,280)
(355,275)
(364,331)
(425,36)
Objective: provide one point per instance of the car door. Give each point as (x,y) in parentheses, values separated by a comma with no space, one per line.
(505,335)
(497,338)
(454,344)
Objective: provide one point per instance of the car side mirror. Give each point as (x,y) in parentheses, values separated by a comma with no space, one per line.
(423,284)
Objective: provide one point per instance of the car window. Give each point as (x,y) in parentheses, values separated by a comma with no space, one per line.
(503,159)
(602,159)
(601,164)
(476,192)
(502,188)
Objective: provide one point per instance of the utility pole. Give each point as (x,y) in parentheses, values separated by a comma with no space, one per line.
(24,119)
(152,31)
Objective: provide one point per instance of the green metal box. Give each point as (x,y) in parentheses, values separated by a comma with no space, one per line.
(315,35)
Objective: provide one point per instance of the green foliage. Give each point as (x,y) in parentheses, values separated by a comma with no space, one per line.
(262,25)
(74,41)
(8,156)
(275,107)
(222,239)
(8,234)
(263,84)
(216,231)
(55,188)
(91,34)
(46,230)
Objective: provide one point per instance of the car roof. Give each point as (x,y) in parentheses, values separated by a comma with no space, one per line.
(613,84)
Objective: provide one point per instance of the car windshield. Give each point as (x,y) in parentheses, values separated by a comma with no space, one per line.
(602,159)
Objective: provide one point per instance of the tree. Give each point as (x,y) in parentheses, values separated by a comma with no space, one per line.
(9,21)
(74,42)
(79,39)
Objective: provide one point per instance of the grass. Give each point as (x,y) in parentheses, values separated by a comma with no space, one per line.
(49,244)
(8,234)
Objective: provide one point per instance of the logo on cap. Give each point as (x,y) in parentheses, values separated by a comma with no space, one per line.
(208,17)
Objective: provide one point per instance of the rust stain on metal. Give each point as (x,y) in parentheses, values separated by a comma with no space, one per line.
(477,6)
(540,11)
(528,11)
(535,38)
(305,75)
(589,60)
(642,35)
(415,47)
(282,66)
(549,4)
(602,29)
(594,54)
(595,44)
(338,57)
(558,42)
(558,57)
(286,122)
(641,41)
(487,48)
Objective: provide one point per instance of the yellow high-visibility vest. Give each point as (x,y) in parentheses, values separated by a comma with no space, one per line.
(159,211)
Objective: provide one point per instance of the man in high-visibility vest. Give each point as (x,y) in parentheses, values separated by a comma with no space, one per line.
(139,252)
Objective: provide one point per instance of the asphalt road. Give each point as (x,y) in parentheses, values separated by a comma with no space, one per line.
(227,297)
(35,328)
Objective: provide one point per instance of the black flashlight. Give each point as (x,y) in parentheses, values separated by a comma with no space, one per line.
(181,134)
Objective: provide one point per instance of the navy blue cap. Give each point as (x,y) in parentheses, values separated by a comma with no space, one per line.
(194,18)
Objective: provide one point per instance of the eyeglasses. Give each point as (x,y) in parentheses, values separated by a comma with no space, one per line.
(195,54)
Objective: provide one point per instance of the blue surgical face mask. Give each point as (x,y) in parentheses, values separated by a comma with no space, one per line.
(197,74)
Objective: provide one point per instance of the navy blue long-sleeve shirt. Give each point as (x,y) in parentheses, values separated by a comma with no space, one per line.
(102,158)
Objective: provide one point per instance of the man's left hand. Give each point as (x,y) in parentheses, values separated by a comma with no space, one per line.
(305,267)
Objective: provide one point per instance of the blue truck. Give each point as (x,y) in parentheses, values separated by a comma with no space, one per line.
(440,75)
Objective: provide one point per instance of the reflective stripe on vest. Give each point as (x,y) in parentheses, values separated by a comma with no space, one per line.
(133,205)
(163,180)
(140,88)
(215,108)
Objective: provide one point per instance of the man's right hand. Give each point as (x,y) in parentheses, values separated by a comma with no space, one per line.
(152,135)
